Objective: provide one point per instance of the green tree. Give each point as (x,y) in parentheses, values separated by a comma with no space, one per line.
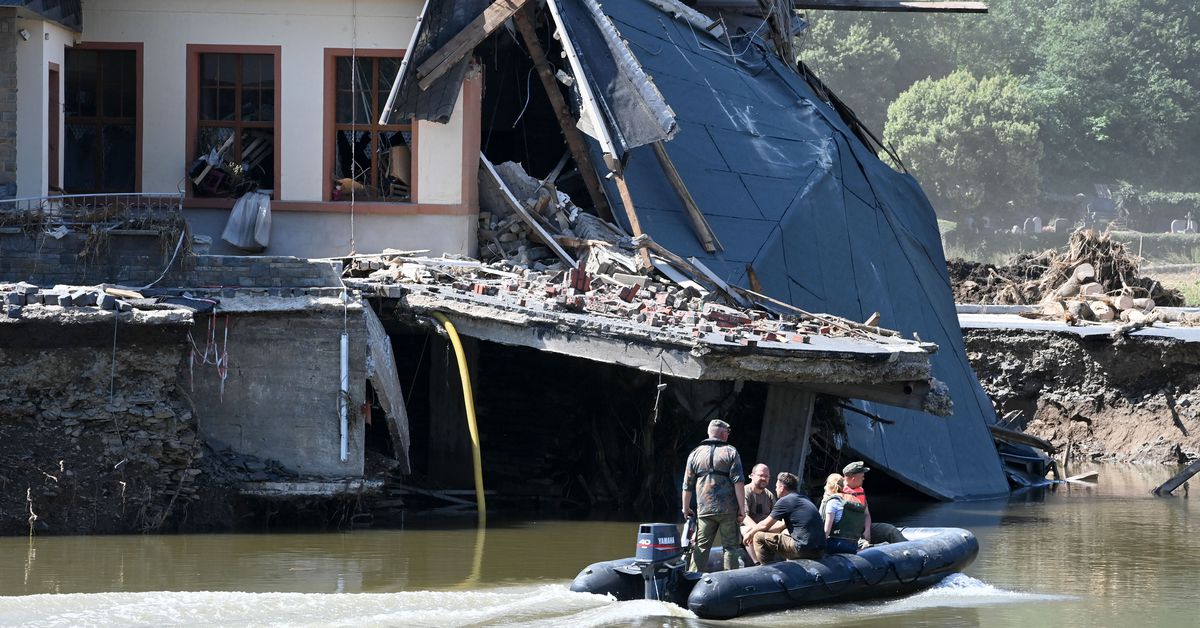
(856,60)
(973,144)
(1117,85)
(1114,83)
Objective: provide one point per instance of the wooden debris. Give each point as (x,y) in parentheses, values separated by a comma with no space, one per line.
(1072,285)
(700,226)
(1144,304)
(1083,477)
(466,40)
(1015,436)
(1178,479)
(1103,311)
(521,211)
(562,111)
(1095,280)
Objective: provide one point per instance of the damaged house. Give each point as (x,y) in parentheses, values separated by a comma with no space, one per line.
(637,214)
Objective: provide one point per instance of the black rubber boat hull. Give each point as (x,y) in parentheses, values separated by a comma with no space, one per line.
(883,571)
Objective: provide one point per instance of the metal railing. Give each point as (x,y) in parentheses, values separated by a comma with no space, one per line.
(87,212)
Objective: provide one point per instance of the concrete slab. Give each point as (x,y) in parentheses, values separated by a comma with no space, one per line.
(288,490)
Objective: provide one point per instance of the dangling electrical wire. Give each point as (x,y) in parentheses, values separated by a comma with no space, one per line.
(354,116)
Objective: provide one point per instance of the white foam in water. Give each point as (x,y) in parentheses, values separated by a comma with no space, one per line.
(543,605)
(959,586)
(955,590)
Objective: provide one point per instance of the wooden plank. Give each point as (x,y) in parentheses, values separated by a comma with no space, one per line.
(903,6)
(700,226)
(537,227)
(562,112)
(466,40)
(208,168)
(1014,436)
(1089,475)
(123,293)
(385,380)
(836,321)
(786,428)
(631,213)
(1178,479)
(646,242)
(590,107)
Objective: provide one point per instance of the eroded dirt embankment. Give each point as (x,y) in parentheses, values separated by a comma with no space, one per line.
(1130,400)
(100,441)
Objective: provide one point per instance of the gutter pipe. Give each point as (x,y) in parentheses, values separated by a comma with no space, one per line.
(344,399)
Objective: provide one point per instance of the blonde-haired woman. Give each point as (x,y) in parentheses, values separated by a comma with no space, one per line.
(845,519)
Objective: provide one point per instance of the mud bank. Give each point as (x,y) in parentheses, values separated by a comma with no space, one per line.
(103,428)
(1130,400)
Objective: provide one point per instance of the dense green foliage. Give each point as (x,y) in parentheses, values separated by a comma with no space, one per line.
(975,142)
(1113,85)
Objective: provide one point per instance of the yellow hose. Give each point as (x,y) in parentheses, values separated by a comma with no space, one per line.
(469,401)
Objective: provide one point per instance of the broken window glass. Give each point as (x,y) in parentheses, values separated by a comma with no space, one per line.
(235,130)
(371,162)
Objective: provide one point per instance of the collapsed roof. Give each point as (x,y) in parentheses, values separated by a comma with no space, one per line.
(791,201)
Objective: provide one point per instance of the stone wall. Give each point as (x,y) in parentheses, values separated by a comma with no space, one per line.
(96,438)
(137,258)
(8,104)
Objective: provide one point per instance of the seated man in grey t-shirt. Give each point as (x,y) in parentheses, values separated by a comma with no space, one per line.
(759,502)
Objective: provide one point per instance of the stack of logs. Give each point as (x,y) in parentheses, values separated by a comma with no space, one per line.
(1083,298)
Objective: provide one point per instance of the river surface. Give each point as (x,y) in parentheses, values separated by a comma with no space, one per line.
(1103,555)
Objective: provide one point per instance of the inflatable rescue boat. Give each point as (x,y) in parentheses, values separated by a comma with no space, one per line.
(658,571)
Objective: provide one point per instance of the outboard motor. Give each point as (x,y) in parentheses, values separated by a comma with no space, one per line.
(659,557)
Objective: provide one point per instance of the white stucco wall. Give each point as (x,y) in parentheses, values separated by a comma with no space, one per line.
(47,41)
(303,29)
(315,234)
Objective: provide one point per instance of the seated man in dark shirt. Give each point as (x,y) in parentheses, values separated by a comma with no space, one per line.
(805,536)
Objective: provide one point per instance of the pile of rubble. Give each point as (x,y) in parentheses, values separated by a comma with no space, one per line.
(659,307)
(1095,279)
(540,252)
(17,296)
(519,213)
(610,295)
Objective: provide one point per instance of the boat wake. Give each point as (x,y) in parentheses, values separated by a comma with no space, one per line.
(541,605)
(963,590)
(955,591)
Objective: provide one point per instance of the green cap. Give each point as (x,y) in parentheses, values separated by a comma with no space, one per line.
(855,467)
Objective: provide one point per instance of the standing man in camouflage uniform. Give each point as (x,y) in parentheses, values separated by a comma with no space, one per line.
(714,475)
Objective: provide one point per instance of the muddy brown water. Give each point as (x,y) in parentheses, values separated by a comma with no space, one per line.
(1109,555)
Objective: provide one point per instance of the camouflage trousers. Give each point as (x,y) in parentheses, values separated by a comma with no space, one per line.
(707,529)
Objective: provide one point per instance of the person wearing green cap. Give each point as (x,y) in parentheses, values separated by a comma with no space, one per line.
(715,477)
(855,473)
